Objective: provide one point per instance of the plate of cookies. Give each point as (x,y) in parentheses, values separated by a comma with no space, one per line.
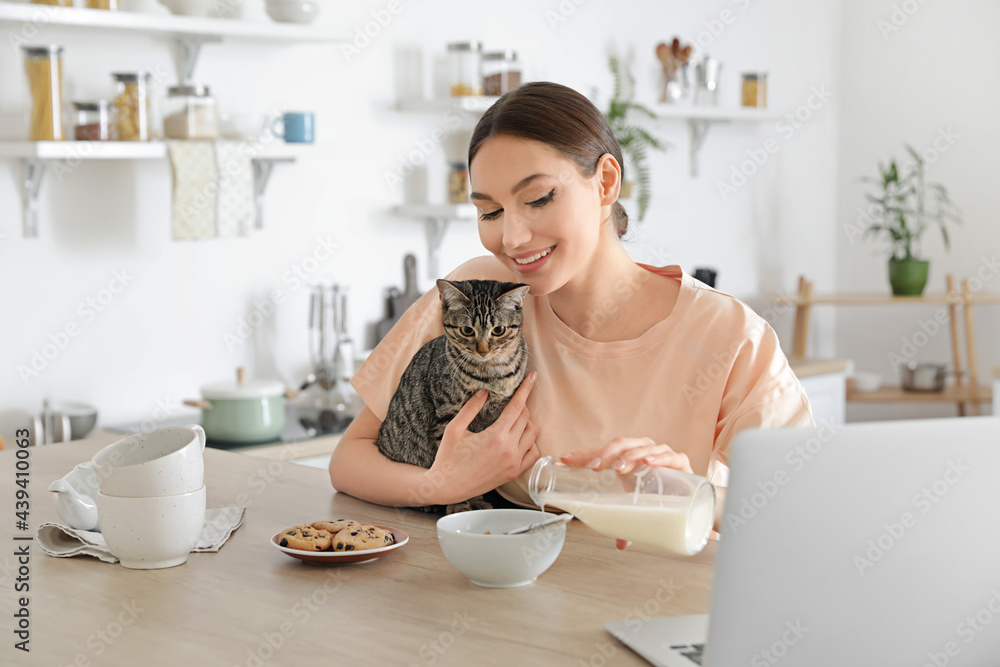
(338,541)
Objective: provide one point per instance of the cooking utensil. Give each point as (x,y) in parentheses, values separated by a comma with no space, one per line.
(923,377)
(410,290)
(391,314)
(242,411)
(564,518)
(82,418)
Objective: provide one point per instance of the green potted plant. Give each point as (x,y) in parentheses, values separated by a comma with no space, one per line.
(635,141)
(905,205)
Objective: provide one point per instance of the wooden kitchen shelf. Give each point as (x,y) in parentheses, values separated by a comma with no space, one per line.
(215,29)
(896,394)
(962,393)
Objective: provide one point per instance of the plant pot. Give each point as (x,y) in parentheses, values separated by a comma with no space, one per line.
(908,277)
(626,190)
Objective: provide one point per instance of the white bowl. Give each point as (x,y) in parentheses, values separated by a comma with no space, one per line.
(498,560)
(150,533)
(201,8)
(867,381)
(241,126)
(160,462)
(293,11)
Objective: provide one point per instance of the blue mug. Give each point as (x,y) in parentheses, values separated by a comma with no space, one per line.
(295,127)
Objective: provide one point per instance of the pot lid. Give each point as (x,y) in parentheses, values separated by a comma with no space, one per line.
(242,388)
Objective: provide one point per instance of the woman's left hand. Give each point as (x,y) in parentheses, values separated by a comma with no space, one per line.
(623,455)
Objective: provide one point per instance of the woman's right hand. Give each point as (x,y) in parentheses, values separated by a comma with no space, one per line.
(469,464)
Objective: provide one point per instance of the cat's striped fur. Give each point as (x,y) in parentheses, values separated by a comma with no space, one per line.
(482,347)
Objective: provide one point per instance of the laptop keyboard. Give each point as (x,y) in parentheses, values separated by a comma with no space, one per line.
(692,652)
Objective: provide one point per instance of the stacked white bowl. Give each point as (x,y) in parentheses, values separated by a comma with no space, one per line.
(151,502)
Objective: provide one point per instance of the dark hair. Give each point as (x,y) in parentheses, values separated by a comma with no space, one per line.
(559,117)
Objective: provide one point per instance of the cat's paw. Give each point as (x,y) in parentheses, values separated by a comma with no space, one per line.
(464,506)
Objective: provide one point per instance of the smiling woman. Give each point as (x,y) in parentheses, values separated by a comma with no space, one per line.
(636,364)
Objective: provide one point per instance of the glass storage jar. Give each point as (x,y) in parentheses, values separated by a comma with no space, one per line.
(102,4)
(132,106)
(458,183)
(56,3)
(190,113)
(93,121)
(43,66)
(463,65)
(755,89)
(501,72)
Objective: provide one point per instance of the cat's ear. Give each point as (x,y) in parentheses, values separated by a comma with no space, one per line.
(515,296)
(451,295)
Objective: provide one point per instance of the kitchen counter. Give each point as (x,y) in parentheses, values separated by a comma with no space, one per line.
(804,367)
(249,604)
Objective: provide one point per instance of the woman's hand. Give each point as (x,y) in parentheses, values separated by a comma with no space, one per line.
(469,464)
(623,455)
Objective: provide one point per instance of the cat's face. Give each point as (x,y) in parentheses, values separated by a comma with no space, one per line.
(482,317)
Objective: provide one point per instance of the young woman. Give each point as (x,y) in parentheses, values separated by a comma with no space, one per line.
(631,364)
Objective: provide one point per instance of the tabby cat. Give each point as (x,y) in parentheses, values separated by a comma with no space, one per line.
(482,347)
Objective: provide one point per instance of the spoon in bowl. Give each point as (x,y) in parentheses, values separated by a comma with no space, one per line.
(563,518)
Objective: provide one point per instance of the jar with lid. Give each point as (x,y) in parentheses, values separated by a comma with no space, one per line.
(755,89)
(93,121)
(458,183)
(132,106)
(43,67)
(102,4)
(463,65)
(190,113)
(501,72)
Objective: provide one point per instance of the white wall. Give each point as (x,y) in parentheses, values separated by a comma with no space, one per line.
(162,336)
(912,76)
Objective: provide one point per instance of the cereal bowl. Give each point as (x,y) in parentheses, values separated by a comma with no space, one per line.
(474,542)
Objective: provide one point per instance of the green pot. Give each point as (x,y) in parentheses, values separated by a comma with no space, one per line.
(908,277)
(245,412)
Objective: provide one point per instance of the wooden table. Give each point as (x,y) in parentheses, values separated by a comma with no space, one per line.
(251,605)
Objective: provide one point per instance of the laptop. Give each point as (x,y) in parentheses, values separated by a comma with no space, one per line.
(850,544)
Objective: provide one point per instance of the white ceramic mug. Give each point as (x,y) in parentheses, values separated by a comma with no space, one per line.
(152,533)
(161,462)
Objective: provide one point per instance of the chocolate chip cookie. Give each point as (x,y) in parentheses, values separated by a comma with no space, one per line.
(306,538)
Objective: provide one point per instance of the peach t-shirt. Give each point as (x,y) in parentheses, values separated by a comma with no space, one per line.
(709,369)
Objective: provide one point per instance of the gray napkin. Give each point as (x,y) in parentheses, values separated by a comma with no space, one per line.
(62,541)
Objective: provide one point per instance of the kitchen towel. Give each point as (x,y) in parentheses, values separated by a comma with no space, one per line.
(196,186)
(62,541)
(237,210)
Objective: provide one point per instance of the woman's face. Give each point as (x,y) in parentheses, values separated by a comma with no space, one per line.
(537,214)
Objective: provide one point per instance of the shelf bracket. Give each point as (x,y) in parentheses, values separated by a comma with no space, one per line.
(261,176)
(34,172)
(698,129)
(436,228)
(186,55)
